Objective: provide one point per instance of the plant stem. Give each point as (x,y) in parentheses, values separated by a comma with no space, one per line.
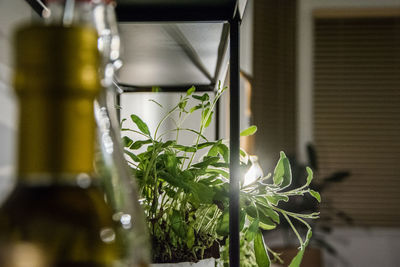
(293,228)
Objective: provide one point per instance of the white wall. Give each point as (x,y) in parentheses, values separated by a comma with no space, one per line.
(12,12)
(356,246)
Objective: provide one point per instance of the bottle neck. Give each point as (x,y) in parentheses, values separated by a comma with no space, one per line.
(56,80)
(56,135)
(99,14)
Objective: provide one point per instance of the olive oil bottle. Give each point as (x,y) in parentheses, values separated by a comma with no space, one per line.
(57,214)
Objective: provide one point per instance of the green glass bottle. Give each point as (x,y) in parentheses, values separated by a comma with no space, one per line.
(57,215)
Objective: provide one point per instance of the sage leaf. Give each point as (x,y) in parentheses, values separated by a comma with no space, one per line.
(184,148)
(274,200)
(177,224)
(190,90)
(190,237)
(242,219)
(209,119)
(126,141)
(266,226)
(309,176)
(139,144)
(202,192)
(282,173)
(132,156)
(252,211)
(252,230)
(315,194)
(260,251)
(140,124)
(218,171)
(249,131)
(202,98)
(206,162)
(223,224)
(223,150)
(206,144)
(268,212)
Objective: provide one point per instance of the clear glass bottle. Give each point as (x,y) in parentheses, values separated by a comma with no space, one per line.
(110,161)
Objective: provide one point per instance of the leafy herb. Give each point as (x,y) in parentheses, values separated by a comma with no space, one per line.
(187,201)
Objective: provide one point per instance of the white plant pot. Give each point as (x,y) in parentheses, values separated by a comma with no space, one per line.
(203,263)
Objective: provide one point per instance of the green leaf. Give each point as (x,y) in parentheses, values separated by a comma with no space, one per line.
(202,98)
(242,219)
(152,100)
(206,162)
(249,131)
(190,90)
(213,151)
(132,156)
(296,261)
(282,173)
(223,224)
(265,219)
(204,194)
(223,150)
(190,237)
(243,153)
(206,144)
(168,143)
(174,180)
(274,200)
(204,115)
(267,226)
(218,171)
(184,148)
(126,141)
(178,224)
(260,251)
(182,104)
(252,211)
(252,230)
(140,124)
(199,106)
(268,212)
(315,194)
(220,165)
(138,144)
(309,176)
(209,119)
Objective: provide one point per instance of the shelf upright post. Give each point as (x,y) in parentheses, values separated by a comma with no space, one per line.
(234,143)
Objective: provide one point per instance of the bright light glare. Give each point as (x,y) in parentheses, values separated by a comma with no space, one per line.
(254,172)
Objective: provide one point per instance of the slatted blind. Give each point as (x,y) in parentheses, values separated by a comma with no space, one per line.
(357,115)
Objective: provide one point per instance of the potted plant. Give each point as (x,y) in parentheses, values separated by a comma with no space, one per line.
(186,197)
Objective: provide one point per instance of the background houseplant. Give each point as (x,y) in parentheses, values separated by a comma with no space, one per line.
(186,197)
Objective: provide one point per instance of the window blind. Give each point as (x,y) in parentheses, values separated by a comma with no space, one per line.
(357,116)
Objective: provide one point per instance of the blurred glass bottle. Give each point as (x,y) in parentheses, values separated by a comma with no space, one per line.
(57,214)
(110,162)
(47,57)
